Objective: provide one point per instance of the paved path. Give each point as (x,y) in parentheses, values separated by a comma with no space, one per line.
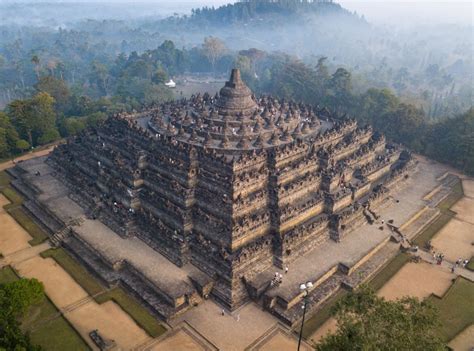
(445,265)
(24,254)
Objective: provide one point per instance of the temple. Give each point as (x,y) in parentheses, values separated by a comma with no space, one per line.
(210,196)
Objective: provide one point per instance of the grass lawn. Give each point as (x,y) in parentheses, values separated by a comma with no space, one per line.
(4,179)
(15,198)
(7,275)
(46,326)
(139,314)
(90,284)
(51,330)
(321,316)
(470,264)
(456,194)
(387,272)
(456,308)
(76,271)
(23,219)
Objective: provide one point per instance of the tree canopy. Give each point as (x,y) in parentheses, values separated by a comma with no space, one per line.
(15,299)
(368,322)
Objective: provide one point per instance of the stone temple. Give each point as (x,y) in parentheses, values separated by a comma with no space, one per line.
(208,197)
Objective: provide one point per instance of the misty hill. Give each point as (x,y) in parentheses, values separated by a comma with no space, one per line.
(267,24)
(258,11)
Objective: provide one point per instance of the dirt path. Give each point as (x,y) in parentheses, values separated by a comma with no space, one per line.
(42,152)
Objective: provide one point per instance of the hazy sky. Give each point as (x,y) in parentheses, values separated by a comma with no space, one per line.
(377,11)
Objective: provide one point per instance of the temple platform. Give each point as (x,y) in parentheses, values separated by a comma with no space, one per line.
(361,252)
(168,290)
(112,258)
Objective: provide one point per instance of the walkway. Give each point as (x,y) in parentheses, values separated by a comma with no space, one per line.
(445,265)
(24,254)
(40,152)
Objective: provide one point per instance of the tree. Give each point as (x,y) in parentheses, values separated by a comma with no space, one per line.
(8,136)
(57,88)
(368,322)
(22,145)
(35,118)
(15,299)
(214,48)
(160,76)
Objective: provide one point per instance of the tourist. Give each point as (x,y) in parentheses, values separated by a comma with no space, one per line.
(286,269)
(223,312)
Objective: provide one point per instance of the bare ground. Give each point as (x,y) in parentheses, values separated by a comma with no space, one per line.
(178,341)
(468,187)
(463,341)
(82,311)
(418,280)
(455,240)
(12,236)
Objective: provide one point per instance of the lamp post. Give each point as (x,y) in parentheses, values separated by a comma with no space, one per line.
(305,289)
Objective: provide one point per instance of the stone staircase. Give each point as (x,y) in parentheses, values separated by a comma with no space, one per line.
(58,237)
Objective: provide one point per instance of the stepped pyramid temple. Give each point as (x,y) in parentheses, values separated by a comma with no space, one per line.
(214,196)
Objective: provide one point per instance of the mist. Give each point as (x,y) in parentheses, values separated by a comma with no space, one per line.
(420,49)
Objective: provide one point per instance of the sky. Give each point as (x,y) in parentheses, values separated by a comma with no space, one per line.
(375,11)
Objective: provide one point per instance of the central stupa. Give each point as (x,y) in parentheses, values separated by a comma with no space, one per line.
(235,120)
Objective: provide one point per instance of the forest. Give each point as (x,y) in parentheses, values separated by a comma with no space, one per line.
(55,81)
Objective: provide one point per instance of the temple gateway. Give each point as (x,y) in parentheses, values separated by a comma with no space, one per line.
(217,197)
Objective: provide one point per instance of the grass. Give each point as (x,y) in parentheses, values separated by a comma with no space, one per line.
(139,314)
(388,271)
(318,319)
(470,264)
(90,284)
(456,194)
(321,316)
(456,308)
(76,271)
(434,227)
(45,325)
(51,330)
(7,275)
(15,210)
(23,219)
(4,179)
(15,198)
(445,216)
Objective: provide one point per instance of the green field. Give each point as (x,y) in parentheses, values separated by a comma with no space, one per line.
(45,325)
(456,308)
(93,287)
